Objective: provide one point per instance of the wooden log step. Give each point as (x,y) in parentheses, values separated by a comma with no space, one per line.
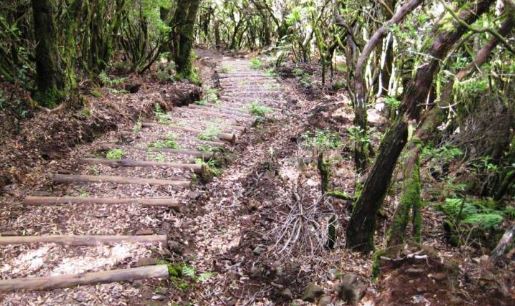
(36,200)
(222,136)
(63,178)
(80,279)
(238,118)
(82,240)
(194,153)
(229,137)
(142,163)
(221,109)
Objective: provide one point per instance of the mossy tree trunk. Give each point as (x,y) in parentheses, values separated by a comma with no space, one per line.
(361,227)
(410,198)
(360,91)
(410,201)
(182,36)
(50,77)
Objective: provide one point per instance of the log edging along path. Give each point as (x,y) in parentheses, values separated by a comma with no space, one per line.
(165,202)
(82,239)
(65,178)
(65,281)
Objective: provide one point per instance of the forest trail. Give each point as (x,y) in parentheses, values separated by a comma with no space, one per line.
(113,219)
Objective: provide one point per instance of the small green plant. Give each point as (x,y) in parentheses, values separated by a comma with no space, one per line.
(182,274)
(85,112)
(210,133)
(161,115)
(256,63)
(115,154)
(168,143)
(225,69)
(160,157)
(298,72)
(471,220)
(322,140)
(95,92)
(271,72)
(392,103)
(210,96)
(358,135)
(94,170)
(137,126)
(444,153)
(258,109)
(83,193)
(212,166)
(206,148)
(107,81)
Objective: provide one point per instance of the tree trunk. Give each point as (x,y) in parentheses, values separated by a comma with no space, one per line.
(386,73)
(185,17)
(360,103)
(410,198)
(360,231)
(50,77)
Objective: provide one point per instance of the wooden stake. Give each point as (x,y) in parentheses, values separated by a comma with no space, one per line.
(140,163)
(81,240)
(166,202)
(72,280)
(62,178)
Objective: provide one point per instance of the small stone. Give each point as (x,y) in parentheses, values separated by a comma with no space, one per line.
(175,247)
(438,276)
(146,261)
(312,292)
(287,294)
(144,231)
(325,300)
(414,271)
(259,249)
(351,289)
(158,297)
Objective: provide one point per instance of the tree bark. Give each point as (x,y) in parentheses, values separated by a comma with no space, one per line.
(50,77)
(360,103)
(185,16)
(360,231)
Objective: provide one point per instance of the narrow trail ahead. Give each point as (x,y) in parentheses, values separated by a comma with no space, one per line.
(102,224)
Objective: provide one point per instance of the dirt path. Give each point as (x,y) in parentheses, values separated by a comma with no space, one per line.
(84,202)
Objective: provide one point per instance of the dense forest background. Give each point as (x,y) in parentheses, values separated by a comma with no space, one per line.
(439,72)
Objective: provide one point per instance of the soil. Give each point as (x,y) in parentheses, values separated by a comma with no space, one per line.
(257,234)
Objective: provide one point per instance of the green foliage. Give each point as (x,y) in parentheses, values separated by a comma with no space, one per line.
(161,115)
(259,110)
(182,274)
(392,103)
(468,220)
(212,167)
(210,96)
(356,134)
(137,126)
(256,63)
(271,72)
(210,133)
(107,81)
(115,154)
(168,143)
(444,153)
(160,157)
(207,148)
(322,140)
